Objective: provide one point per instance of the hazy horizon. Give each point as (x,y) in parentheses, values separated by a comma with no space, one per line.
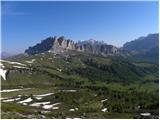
(26,23)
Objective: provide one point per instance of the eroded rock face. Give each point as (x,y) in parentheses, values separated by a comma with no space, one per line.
(96,47)
(59,45)
(109,49)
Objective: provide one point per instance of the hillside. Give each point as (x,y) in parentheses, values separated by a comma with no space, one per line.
(78,85)
(143,43)
(144,48)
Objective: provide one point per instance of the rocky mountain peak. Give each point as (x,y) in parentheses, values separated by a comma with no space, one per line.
(60,44)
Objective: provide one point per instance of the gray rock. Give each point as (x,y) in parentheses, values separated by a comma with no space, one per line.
(61,45)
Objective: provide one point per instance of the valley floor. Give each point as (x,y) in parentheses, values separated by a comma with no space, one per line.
(53,103)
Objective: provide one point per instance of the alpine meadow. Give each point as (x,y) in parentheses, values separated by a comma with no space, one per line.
(79,60)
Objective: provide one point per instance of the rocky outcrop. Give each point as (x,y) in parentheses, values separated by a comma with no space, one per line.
(96,47)
(59,44)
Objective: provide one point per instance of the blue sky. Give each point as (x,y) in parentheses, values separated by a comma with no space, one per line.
(27,23)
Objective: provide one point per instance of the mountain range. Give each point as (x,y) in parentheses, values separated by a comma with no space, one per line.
(60,44)
(60,78)
(142,47)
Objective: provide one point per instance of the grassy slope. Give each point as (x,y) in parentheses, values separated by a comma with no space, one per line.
(125,84)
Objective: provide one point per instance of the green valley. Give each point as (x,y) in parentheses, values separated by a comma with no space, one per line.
(78,85)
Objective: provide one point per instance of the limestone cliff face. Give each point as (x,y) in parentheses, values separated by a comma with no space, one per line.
(59,44)
(52,44)
(96,47)
(108,49)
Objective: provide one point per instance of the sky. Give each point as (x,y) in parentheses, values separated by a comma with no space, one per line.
(25,24)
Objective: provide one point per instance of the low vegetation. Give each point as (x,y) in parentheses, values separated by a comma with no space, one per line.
(83,86)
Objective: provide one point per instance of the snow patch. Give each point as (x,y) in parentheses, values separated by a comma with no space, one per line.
(11,100)
(55,108)
(15,66)
(38,98)
(69,90)
(60,70)
(50,51)
(71,110)
(45,111)
(104,100)
(30,61)
(51,106)
(145,114)
(1,65)
(37,104)
(47,106)
(43,95)
(56,104)
(13,62)
(24,103)
(3,73)
(104,110)
(13,90)
(3,98)
(26,100)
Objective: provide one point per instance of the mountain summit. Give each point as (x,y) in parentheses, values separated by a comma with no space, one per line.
(60,44)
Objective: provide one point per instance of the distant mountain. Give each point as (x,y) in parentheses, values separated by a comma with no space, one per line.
(143,43)
(144,48)
(4,55)
(59,44)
